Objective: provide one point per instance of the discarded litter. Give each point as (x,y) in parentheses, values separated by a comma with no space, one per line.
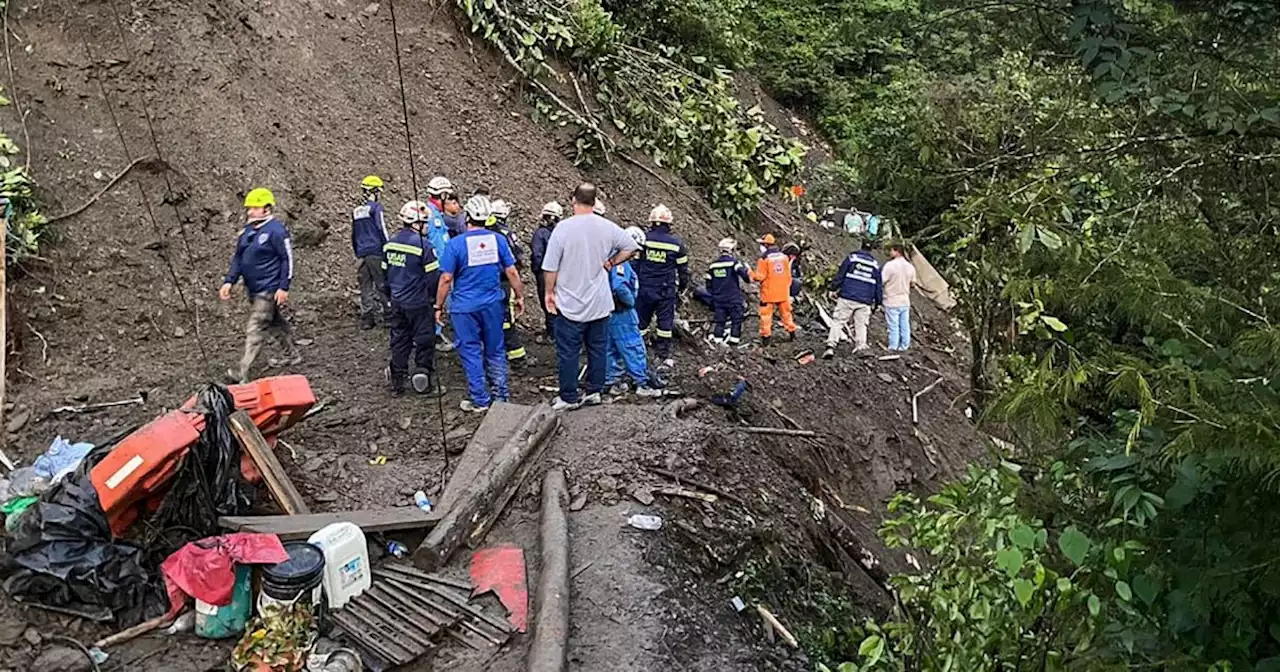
(397,549)
(732,399)
(61,458)
(644,522)
(805,357)
(378,461)
(346,562)
(421,501)
(738,604)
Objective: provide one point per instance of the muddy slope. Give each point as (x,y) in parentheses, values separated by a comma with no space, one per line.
(300,95)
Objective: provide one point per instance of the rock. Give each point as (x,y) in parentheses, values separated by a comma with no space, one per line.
(327,497)
(405,422)
(613,470)
(18,421)
(304,342)
(885,377)
(32,636)
(433,490)
(179,332)
(642,494)
(578,502)
(314,464)
(607,483)
(11,632)
(371,9)
(458,434)
(60,659)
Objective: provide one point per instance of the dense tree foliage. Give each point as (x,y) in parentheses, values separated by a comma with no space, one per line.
(1098,179)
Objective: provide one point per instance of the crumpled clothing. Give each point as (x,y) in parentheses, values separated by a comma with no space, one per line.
(206,569)
(61,458)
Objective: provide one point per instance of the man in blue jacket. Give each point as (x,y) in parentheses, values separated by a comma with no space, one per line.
(551,213)
(471,267)
(858,291)
(264,259)
(627,354)
(517,355)
(412,278)
(663,268)
(725,276)
(368,235)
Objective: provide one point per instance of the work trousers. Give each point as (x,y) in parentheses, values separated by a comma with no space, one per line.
(510,336)
(571,338)
(861,314)
(480,350)
(729,314)
(784,312)
(540,278)
(413,331)
(265,316)
(663,306)
(899,322)
(373,303)
(626,349)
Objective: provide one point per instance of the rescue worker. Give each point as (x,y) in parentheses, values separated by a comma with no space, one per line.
(793,252)
(446,215)
(368,235)
(471,268)
(516,353)
(663,269)
(551,213)
(859,291)
(264,259)
(412,278)
(773,272)
(725,276)
(626,351)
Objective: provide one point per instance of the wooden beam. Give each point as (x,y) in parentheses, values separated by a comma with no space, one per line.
(550,647)
(282,489)
(301,527)
(479,498)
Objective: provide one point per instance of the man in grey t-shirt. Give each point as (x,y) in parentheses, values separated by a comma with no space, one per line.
(580,253)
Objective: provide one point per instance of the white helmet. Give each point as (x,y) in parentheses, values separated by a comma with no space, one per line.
(414,212)
(478,209)
(439,185)
(500,209)
(727,245)
(637,234)
(660,215)
(553,209)
(599,208)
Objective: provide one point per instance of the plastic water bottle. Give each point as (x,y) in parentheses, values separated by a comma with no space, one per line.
(397,549)
(421,500)
(643,522)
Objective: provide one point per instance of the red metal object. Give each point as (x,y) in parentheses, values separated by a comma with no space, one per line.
(501,569)
(135,475)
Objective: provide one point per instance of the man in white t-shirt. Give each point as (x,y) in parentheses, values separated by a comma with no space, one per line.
(580,253)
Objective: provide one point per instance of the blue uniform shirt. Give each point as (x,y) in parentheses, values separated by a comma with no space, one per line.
(724,278)
(368,229)
(476,260)
(263,257)
(538,246)
(663,263)
(412,272)
(859,279)
(624,284)
(437,231)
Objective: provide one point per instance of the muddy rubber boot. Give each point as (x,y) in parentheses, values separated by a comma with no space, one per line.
(764,341)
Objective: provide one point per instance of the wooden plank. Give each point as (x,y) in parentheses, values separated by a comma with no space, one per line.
(480,497)
(500,422)
(301,527)
(550,647)
(282,489)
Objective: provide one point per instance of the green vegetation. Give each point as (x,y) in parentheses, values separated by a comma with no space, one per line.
(1097,180)
(25,221)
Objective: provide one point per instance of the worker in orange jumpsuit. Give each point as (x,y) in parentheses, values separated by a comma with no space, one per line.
(773,272)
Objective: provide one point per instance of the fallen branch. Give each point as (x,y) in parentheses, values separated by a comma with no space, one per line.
(777,431)
(790,421)
(44,344)
(85,408)
(94,199)
(548,652)
(699,485)
(677,409)
(915,407)
(772,622)
(687,494)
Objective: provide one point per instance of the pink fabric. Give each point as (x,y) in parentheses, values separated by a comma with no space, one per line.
(206,569)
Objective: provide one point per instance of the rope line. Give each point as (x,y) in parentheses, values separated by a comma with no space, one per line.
(413,177)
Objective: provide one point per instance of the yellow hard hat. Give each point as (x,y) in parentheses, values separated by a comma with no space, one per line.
(371,182)
(259,198)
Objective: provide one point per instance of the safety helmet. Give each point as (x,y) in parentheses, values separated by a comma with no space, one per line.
(478,209)
(791,248)
(727,245)
(501,211)
(637,234)
(767,239)
(259,198)
(438,185)
(660,215)
(371,182)
(599,208)
(553,209)
(414,212)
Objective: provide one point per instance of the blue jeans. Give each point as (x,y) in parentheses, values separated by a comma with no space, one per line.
(899,319)
(481,351)
(570,338)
